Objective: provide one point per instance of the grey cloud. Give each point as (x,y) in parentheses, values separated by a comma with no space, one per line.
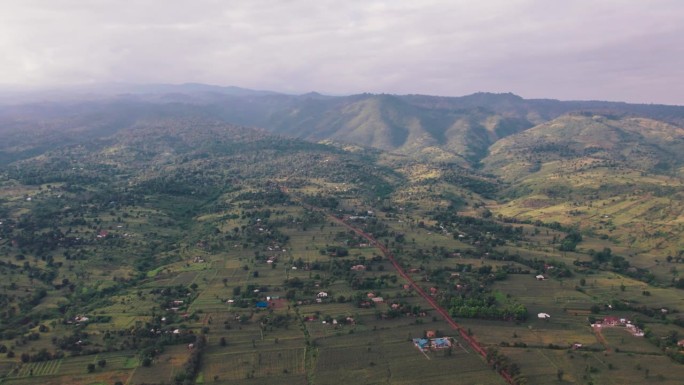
(576,49)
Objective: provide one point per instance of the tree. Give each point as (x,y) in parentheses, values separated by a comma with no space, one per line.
(91,368)
(570,241)
(603,256)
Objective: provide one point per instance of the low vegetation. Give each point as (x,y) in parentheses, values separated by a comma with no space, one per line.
(190,251)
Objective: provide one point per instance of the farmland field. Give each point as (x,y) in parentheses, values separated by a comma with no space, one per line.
(224,255)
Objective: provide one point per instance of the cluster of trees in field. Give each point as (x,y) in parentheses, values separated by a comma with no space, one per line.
(487,307)
(486,186)
(465,292)
(321,200)
(469,294)
(372,283)
(375,228)
(484,231)
(193,364)
(501,362)
(606,260)
(571,240)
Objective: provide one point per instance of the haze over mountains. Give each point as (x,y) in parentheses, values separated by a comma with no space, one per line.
(450,129)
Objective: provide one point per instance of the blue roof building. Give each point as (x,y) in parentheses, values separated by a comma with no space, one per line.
(421,343)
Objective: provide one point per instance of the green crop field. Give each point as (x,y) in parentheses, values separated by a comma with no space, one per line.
(192,252)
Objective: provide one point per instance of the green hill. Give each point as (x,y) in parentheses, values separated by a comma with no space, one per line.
(618,177)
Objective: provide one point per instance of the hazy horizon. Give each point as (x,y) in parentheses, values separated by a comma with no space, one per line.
(574,50)
(36,93)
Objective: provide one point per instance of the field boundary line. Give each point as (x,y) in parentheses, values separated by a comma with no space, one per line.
(464,334)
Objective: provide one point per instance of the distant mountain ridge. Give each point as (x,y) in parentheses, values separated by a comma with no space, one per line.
(433,128)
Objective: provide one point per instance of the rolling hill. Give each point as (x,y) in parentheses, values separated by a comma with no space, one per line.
(532,155)
(444,129)
(618,177)
(179,234)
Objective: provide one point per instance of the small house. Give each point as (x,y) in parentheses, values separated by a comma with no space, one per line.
(322,295)
(262,305)
(543,316)
(441,343)
(540,277)
(421,343)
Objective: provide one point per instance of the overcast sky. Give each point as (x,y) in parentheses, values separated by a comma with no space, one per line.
(572,49)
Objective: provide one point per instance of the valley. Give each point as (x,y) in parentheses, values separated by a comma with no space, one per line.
(214,237)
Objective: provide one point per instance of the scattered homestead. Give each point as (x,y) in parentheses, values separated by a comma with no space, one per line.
(425,344)
(218,219)
(618,322)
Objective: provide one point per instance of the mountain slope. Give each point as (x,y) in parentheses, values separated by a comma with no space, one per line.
(619,178)
(386,122)
(443,129)
(588,140)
